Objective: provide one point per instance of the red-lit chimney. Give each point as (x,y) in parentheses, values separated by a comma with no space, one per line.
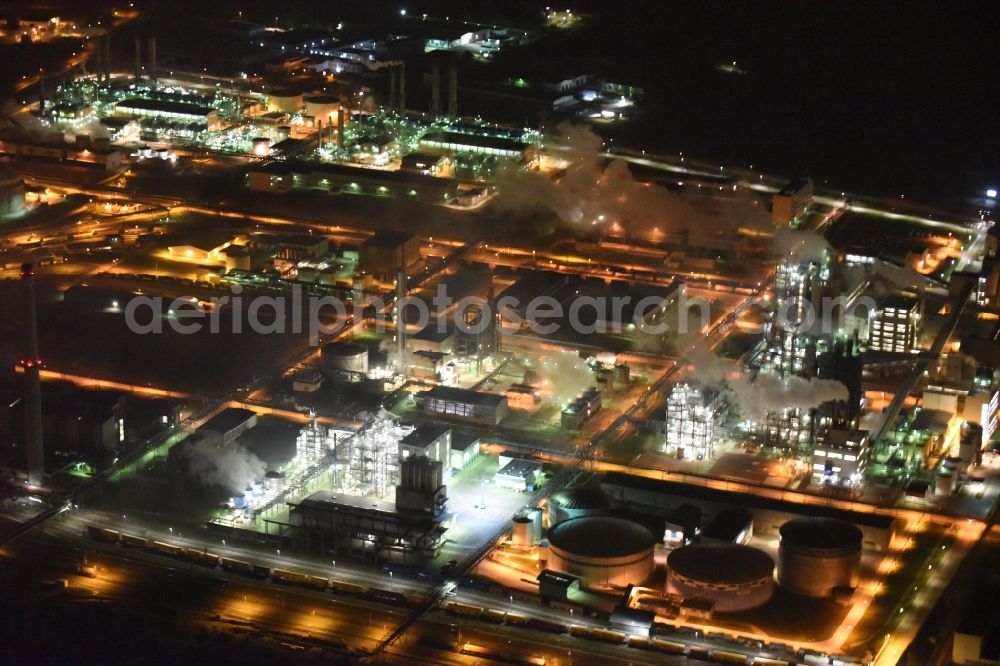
(31,363)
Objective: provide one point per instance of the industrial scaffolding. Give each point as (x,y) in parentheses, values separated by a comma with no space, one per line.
(367,463)
(691,423)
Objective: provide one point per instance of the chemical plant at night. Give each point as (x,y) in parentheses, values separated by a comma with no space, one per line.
(393,336)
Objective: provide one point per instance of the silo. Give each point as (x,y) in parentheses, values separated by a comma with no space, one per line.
(535,514)
(261,146)
(346,357)
(520,534)
(818,555)
(944,484)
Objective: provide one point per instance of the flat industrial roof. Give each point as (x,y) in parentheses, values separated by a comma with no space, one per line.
(477,141)
(460,441)
(328,500)
(425,434)
(456,394)
(556,578)
(750,501)
(228,419)
(285,167)
(388,238)
(520,468)
(728,524)
(166,106)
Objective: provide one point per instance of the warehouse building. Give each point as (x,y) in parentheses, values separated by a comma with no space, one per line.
(464,449)
(362,527)
(463,404)
(430,440)
(230,423)
(517,473)
(170,111)
(895,325)
(729,526)
(456,142)
(285,175)
(387,251)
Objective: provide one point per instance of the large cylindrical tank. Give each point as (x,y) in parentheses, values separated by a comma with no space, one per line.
(520,533)
(577,503)
(348,357)
(970,442)
(944,485)
(732,576)
(261,146)
(535,514)
(602,551)
(11,192)
(323,108)
(818,555)
(285,101)
(274,480)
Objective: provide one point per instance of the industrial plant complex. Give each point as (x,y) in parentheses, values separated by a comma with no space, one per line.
(349,341)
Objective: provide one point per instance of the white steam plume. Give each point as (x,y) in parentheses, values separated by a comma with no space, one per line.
(801,246)
(231,466)
(566,376)
(766,392)
(594,193)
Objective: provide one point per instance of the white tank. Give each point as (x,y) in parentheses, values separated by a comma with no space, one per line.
(521,532)
(346,357)
(535,514)
(323,108)
(261,146)
(944,485)
(284,101)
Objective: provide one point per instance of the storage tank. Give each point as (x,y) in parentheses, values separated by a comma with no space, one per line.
(11,192)
(577,503)
(970,442)
(274,480)
(346,357)
(521,533)
(261,146)
(323,108)
(535,514)
(818,555)
(732,576)
(285,101)
(944,485)
(602,551)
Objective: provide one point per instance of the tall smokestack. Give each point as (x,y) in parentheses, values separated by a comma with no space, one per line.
(138,59)
(436,89)
(401,95)
(152,59)
(30,362)
(41,93)
(341,124)
(107,56)
(453,90)
(392,87)
(400,323)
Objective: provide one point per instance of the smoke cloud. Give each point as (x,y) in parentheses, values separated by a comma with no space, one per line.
(757,395)
(566,376)
(596,193)
(231,466)
(801,246)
